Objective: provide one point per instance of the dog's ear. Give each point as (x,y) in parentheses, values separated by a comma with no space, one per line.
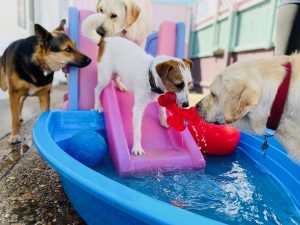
(163,69)
(132,13)
(61,26)
(42,34)
(97,6)
(242,100)
(188,63)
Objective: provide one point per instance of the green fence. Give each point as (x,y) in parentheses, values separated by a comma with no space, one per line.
(250,28)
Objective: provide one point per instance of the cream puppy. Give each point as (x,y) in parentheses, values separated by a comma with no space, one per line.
(131,19)
(136,68)
(243,94)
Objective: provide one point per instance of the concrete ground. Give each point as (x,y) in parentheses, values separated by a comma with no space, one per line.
(30,191)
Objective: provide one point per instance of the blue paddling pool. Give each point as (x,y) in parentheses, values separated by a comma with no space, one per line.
(243,188)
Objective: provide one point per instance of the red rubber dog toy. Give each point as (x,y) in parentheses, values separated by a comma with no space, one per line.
(212,139)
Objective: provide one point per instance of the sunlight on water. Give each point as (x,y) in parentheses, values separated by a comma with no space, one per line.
(231,189)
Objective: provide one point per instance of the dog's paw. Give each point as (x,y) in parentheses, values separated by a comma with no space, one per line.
(137,151)
(122,87)
(15,139)
(98,108)
(163,123)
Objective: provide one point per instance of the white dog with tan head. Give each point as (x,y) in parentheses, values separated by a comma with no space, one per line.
(243,95)
(143,74)
(131,19)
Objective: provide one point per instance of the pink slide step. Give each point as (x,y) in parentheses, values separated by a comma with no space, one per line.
(165,148)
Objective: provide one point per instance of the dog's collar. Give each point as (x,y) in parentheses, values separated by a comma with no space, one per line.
(277,107)
(280,99)
(154,88)
(44,67)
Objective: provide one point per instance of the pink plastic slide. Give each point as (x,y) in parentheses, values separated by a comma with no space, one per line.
(164,148)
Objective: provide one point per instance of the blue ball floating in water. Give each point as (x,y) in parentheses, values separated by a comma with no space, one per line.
(88,147)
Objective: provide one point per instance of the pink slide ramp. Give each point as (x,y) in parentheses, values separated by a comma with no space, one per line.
(164,148)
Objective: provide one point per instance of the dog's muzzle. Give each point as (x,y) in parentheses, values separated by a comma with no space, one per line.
(101,31)
(185,104)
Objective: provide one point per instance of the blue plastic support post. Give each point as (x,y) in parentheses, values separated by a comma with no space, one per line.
(180,40)
(73,72)
(151,46)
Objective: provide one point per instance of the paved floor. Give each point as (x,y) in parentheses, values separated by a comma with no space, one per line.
(30,191)
(31,108)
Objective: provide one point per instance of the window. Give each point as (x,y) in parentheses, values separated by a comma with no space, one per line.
(22,13)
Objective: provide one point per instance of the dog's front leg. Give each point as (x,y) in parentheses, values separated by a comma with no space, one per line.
(44,97)
(163,117)
(14,101)
(138,112)
(23,98)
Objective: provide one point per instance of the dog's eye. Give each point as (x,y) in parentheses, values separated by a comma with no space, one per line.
(213,94)
(100,10)
(68,49)
(113,16)
(180,85)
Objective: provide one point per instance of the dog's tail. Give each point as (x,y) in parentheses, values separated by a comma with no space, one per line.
(3,80)
(90,24)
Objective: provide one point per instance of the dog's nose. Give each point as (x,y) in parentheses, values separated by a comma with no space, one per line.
(185,104)
(86,61)
(101,31)
(83,62)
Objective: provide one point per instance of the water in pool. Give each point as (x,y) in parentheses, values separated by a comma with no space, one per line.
(232,189)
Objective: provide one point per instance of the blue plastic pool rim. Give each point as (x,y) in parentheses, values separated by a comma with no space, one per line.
(139,205)
(144,207)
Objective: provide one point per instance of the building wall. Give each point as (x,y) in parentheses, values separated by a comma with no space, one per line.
(206,69)
(237,30)
(10,30)
(161,11)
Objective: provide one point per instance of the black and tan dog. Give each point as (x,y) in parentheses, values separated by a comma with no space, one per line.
(27,67)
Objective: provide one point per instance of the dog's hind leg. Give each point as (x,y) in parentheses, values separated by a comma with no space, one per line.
(14,100)
(3,80)
(44,98)
(140,104)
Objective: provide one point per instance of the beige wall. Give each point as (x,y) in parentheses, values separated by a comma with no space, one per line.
(9,29)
